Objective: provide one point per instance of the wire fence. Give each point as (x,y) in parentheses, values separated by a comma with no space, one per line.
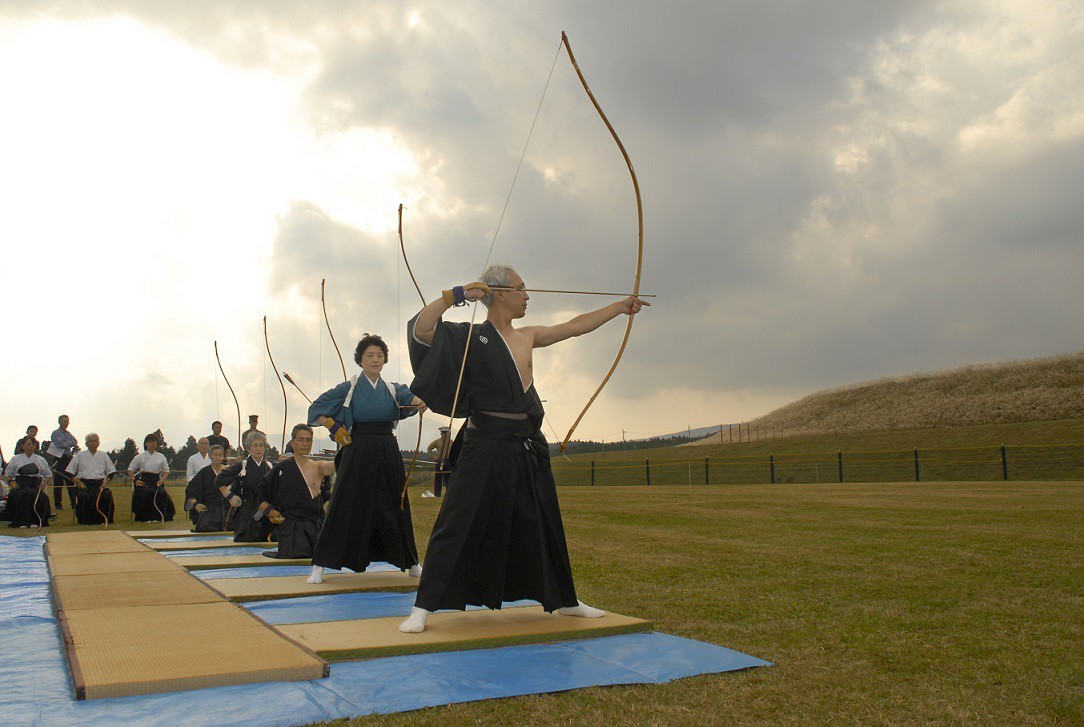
(1005,462)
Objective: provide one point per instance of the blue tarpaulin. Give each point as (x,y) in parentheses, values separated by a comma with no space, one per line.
(35,686)
(212,552)
(187,539)
(267,571)
(342,607)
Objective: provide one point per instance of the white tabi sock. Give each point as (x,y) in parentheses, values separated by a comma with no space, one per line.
(415,571)
(416,623)
(582,610)
(317,575)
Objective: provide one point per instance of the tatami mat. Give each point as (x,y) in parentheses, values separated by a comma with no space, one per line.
(173,533)
(453,631)
(37,689)
(144,650)
(99,541)
(205,545)
(138,562)
(235,561)
(262,589)
(107,590)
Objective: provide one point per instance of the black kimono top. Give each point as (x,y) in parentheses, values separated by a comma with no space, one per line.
(203,489)
(242,477)
(284,488)
(491,381)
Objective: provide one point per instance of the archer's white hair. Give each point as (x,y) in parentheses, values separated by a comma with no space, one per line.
(499,275)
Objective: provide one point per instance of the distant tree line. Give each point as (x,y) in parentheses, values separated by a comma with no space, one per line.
(577,446)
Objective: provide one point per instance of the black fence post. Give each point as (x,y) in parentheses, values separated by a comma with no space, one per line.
(839,456)
(917,477)
(647,468)
(1004,464)
(771,466)
(707,473)
(592,473)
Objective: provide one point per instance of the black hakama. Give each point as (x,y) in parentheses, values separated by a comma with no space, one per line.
(150,500)
(364,523)
(499,535)
(203,490)
(285,489)
(28,503)
(246,529)
(93,503)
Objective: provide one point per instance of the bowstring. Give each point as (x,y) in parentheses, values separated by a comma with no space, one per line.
(522,156)
(500,221)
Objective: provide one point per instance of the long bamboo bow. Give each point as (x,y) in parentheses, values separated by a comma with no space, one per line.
(323,304)
(640,243)
(285,403)
(235,403)
(97,503)
(421,415)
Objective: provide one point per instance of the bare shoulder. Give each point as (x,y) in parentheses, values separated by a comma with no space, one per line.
(531,335)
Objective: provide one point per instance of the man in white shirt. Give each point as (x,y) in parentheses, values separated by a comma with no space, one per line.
(91,469)
(197,462)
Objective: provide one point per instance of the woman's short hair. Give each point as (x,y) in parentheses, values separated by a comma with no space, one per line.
(366,342)
(148,438)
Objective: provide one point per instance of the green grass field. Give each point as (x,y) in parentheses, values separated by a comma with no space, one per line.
(1051,450)
(878,603)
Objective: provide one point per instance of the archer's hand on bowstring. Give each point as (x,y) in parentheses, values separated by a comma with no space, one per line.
(463,294)
(426,321)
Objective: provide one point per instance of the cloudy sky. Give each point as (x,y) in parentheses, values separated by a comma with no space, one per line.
(833,192)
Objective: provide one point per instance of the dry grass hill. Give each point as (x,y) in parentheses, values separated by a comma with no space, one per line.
(1014,391)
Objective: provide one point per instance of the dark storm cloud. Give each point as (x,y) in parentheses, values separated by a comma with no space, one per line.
(816,206)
